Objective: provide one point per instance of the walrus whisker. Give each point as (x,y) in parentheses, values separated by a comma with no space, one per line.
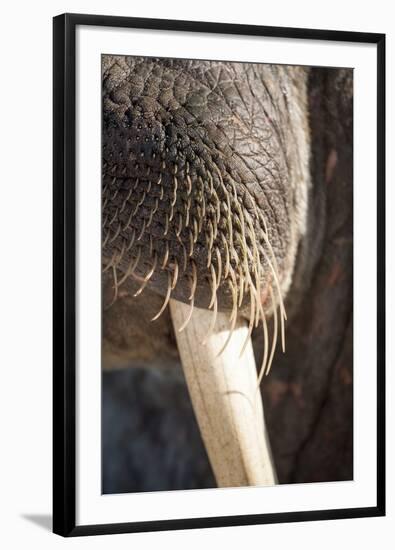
(241,288)
(191,244)
(166,255)
(153,212)
(129,221)
(209,254)
(219,264)
(194,279)
(234,292)
(229,219)
(115,287)
(142,231)
(251,321)
(277,282)
(189,188)
(187,211)
(215,228)
(267,240)
(241,221)
(210,177)
(167,298)
(265,343)
(184,254)
(275,330)
(179,228)
(175,274)
(173,201)
(131,242)
(114,217)
(124,202)
(114,196)
(135,210)
(106,239)
(110,263)
(213,287)
(257,263)
(198,215)
(211,235)
(196,230)
(203,199)
(171,212)
(140,202)
(218,206)
(189,315)
(147,277)
(227,261)
(132,266)
(120,255)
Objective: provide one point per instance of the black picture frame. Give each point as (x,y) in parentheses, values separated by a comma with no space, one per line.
(64,272)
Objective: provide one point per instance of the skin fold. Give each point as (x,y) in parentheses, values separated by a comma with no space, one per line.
(204,161)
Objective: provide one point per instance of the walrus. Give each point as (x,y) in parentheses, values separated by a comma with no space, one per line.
(228,187)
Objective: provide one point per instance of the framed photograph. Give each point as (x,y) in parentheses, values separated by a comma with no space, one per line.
(218,275)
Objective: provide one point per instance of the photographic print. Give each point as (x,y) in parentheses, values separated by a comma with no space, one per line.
(227,252)
(219,275)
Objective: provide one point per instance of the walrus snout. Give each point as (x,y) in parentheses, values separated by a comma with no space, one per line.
(198,191)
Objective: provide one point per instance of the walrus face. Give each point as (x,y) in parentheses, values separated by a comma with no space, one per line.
(205,177)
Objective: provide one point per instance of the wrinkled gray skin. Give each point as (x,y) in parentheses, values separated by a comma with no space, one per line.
(280,141)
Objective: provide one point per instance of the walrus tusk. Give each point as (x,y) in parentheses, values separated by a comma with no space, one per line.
(225,397)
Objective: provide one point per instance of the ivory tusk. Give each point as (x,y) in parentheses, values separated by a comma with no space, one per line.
(225,398)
